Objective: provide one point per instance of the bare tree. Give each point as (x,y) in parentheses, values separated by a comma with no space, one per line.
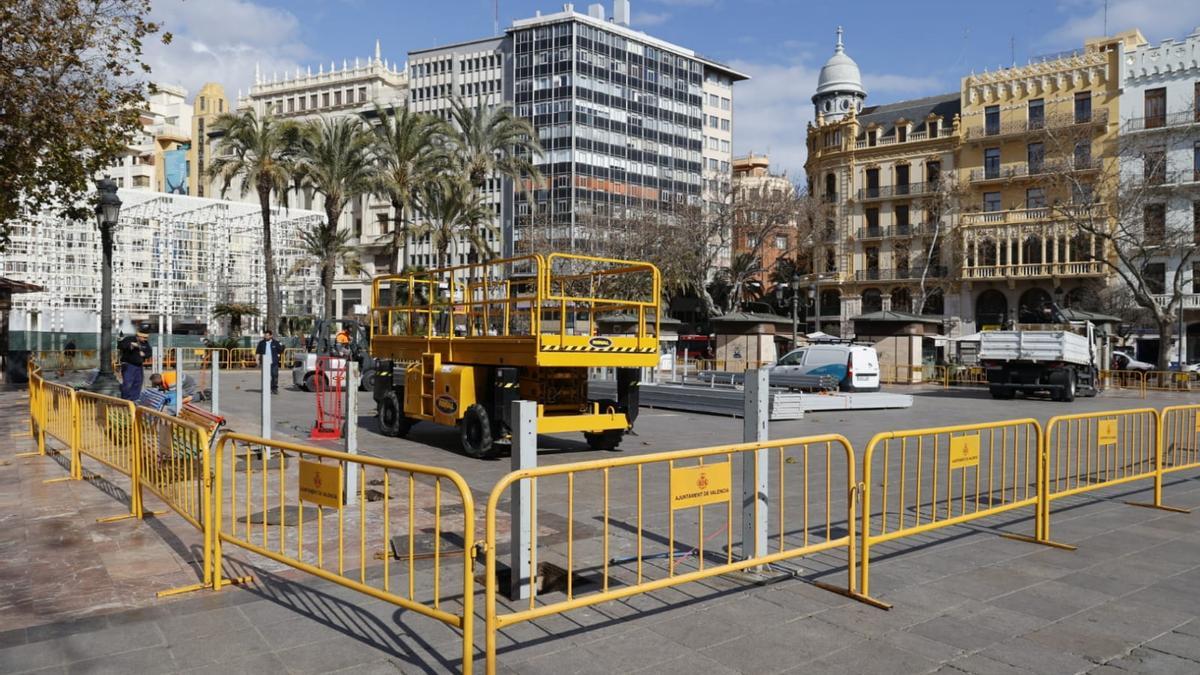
(939,234)
(1118,198)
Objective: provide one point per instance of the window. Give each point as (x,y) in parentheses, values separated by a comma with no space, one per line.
(337,98)
(1196,221)
(1035,198)
(872,138)
(362,94)
(1037,114)
(991,163)
(1196,102)
(325,99)
(902,179)
(830,188)
(1154,167)
(991,120)
(933,128)
(781,242)
(1036,155)
(1083,107)
(872,182)
(901,133)
(1196,161)
(724,125)
(1083,154)
(991,201)
(902,216)
(1196,277)
(1155,107)
(872,216)
(382,220)
(1154,224)
(291,105)
(933,172)
(1155,276)
(725,103)
(752,241)
(1082,193)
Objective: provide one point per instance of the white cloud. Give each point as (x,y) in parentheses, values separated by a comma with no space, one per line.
(647,19)
(1157,19)
(221,41)
(775,106)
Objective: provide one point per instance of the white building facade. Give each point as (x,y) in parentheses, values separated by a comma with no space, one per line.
(1160,117)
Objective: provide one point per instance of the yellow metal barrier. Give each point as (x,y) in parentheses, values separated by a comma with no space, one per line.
(107,433)
(57,403)
(173,463)
(1124,379)
(1179,440)
(814,492)
(1170,380)
(1090,451)
(279,511)
(919,480)
(242,357)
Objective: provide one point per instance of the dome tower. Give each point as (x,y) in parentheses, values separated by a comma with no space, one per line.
(839,88)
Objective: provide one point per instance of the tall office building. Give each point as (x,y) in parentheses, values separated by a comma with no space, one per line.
(209,104)
(632,126)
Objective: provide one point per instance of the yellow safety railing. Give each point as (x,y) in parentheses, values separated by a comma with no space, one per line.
(57,405)
(1133,380)
(37,409)
(919,480)
(279,510)
(1179,438)
(174,463)
(1171,380)
(812,497)
(892,373)
(107,433)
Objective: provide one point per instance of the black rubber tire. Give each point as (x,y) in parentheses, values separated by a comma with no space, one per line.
(608,440)
(367,383)
(475,430)
(392,421)
(310,382)
(1068,389)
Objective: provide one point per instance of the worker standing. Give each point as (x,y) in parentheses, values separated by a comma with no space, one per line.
(276,355)
(135,351)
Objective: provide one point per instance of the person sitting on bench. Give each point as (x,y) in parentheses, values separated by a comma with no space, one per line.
(166,382)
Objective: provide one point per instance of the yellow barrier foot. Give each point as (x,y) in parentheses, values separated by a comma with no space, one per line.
(1160,507)
(853,595)
(237,580)
(1035,540)
(181,590)
(127,516)
(57,480)
(28,454)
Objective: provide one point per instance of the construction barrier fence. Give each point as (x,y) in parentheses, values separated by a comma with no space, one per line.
(333,515)
(659,545)
(107,433)
(919,480)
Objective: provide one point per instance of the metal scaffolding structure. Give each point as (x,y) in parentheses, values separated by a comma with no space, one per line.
(175,257)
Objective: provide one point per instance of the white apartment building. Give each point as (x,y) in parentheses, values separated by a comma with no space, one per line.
(156,159)
(352,89)
(1160,126)
(175,257)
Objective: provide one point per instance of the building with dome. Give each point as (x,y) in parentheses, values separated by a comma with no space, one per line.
(880,173)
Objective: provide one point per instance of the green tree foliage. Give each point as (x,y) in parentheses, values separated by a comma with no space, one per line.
(72,80)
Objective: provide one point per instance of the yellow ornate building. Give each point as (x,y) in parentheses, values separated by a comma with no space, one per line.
(959,206)
(209,104)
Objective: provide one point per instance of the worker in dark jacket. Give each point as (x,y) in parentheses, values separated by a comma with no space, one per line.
(134,351)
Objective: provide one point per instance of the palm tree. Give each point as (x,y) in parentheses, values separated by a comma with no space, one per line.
(234,311)
(335,159)
(492,140)
(454,211)
(410,152)
(740,280)
(321,245)
(260,151)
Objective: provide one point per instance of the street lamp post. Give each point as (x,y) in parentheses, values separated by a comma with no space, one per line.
(795,310)
(108,210)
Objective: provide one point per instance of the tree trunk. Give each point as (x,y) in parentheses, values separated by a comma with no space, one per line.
(264,202)
(399,240)
(1165,323)
(333,212)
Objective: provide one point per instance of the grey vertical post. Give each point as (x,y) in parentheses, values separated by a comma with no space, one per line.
(350,430)
(524,456)
(178,379)
(265,364)
(216,381)
(755,464)
(156,361)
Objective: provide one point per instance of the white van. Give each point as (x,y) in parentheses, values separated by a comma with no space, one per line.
(853,367)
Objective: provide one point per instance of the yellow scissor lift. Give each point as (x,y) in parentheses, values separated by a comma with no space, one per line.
(456,346)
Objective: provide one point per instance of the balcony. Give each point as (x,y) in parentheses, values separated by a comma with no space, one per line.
(898,191)
(1017,128)
(1035,215)
(1090,268)
(1173,120)
(1190,300)
(1019,170)
(889,231)
(946,131)
(912,273)
(1171,178)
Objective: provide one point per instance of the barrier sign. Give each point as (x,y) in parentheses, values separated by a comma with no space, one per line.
(321,483)
(1106,432)
(964,451)
(700,485)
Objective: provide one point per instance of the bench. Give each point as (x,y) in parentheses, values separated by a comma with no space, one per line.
(154,400)
(202,418)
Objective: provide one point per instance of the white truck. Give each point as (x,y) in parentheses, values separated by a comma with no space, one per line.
(1059,359)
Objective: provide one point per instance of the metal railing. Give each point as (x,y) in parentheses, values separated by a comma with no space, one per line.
(1165,121)
(945,476)
(1036,214)
(278,510)
(1033,169)
(107,433)
(814,484)
(933,272)
(1028,270)
(892,191)
(1026,126)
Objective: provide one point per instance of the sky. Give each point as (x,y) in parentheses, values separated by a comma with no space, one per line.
(904,50)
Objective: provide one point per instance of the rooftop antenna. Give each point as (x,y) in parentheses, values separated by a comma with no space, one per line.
(496,17)
(1106,17)
(1012,49)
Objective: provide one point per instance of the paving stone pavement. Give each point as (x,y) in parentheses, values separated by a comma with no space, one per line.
(79,597)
